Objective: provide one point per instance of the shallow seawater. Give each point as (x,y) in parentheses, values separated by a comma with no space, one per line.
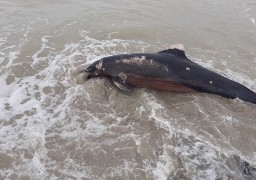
(53,126)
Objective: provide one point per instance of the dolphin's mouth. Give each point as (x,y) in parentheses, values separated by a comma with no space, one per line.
(79,74)
(86,75)
(89,76)
(89,73)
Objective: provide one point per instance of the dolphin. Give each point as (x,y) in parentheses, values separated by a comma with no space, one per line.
(167,70)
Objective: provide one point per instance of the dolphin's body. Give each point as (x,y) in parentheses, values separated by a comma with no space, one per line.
(168,70)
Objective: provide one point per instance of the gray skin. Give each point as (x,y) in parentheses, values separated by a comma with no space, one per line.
(168,70)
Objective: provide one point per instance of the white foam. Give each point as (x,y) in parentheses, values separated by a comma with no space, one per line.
(44,46)
(164,165)
(252,20)
(249,11)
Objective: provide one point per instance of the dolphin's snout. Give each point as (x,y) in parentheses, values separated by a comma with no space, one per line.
(79,74)
(89,73)
(89,76)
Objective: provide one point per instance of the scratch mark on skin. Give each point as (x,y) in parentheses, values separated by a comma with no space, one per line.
(143,62)
(135,60)
(99,66)
(178,46)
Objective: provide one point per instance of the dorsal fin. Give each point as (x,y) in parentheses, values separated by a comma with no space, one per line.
(176,50)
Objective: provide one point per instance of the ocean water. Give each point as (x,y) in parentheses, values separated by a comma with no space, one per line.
(53,125)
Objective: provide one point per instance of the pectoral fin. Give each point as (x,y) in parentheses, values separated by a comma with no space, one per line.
(121,84)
